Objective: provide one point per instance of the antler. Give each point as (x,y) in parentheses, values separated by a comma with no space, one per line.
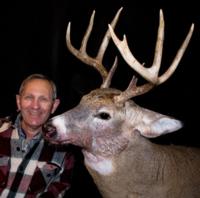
(97,61)
(151,73)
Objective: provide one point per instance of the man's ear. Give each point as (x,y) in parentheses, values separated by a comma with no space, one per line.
(55,105)
(18,102)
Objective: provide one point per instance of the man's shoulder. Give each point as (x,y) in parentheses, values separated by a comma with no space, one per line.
(5,124)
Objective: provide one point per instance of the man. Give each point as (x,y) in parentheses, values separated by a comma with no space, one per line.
(30,166)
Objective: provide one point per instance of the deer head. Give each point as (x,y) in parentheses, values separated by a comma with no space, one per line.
(109,113)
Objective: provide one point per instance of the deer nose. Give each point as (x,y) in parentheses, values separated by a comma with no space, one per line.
(49,131)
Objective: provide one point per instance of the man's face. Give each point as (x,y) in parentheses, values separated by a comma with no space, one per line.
(36,103)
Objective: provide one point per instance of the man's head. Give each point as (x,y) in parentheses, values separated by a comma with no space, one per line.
(36,100)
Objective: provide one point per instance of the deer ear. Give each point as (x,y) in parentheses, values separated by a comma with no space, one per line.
(159,126)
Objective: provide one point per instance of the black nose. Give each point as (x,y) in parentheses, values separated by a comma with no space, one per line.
(49,131)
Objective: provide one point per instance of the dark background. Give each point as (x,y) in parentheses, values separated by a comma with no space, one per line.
(32,40)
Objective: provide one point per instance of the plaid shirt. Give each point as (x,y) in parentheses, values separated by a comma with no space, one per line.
(33,169)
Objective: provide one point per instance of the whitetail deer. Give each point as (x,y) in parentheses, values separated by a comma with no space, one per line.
(113,131)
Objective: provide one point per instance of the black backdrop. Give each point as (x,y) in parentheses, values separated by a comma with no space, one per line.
(32,40)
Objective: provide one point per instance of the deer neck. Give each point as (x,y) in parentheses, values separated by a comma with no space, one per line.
(112,174)
(135,155)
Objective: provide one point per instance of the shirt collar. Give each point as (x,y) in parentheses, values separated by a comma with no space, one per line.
(21,132)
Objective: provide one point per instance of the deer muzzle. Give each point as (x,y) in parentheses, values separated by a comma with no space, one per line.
(49,131)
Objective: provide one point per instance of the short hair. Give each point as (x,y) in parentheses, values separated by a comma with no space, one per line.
(41,77)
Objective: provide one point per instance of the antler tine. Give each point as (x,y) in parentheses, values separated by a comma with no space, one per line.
(151,73)
(82,55)
(107,81)
(107,36)
(154,69)
(177,58)
(133,91)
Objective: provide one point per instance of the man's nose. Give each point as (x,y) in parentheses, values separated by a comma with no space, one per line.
(35,104)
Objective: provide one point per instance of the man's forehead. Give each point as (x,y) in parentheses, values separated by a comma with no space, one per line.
(37,85)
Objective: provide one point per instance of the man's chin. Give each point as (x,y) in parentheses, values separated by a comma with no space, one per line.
(35,125)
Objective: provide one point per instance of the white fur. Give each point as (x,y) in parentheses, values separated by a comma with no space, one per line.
(59,123)
(101,165)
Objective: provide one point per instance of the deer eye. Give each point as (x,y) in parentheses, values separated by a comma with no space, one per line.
(103,116)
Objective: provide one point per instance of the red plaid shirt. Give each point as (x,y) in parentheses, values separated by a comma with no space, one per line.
(44,171)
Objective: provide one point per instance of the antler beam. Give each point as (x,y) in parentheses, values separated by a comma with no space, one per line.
(151,73)
(96,62)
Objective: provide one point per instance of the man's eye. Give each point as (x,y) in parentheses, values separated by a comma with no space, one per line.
(28,97)
(103,116)
(43,99)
